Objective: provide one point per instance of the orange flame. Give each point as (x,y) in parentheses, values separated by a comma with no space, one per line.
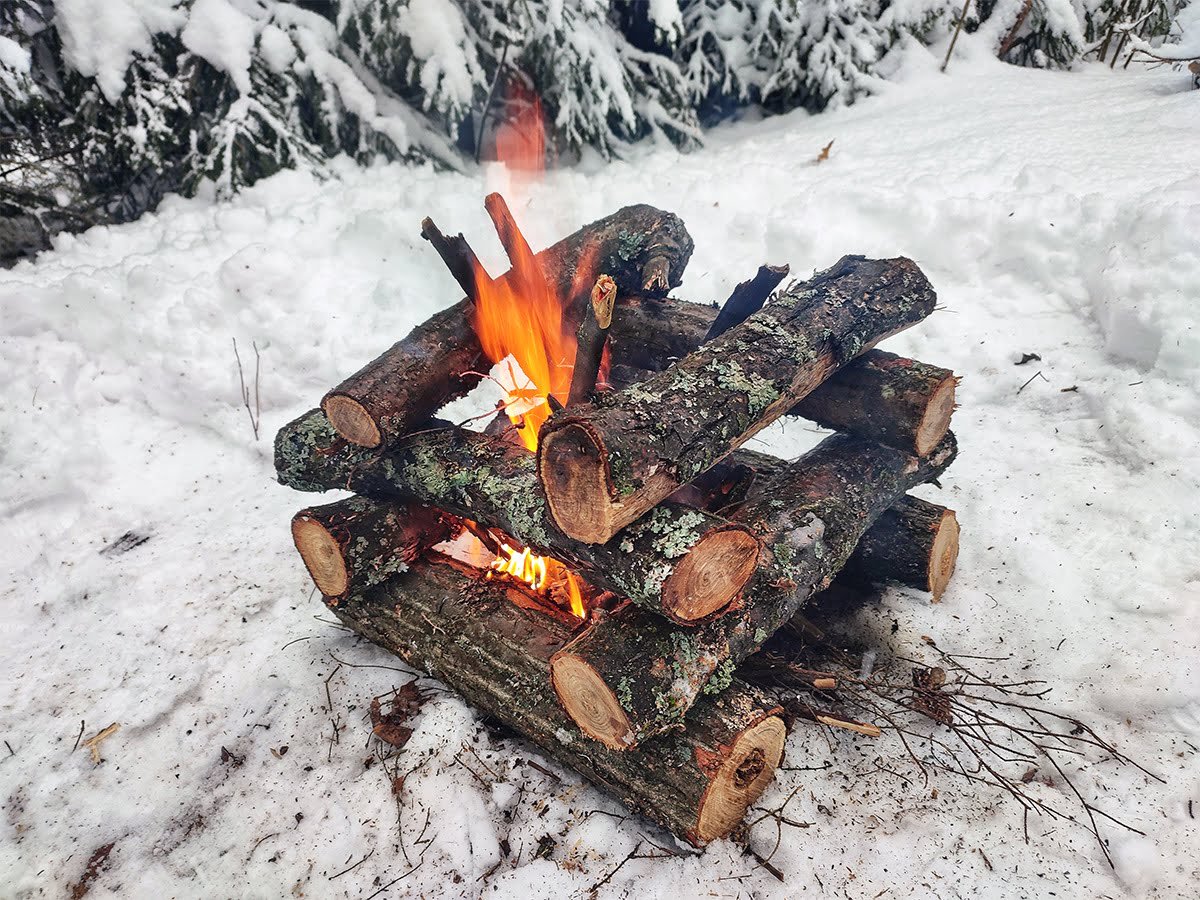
(533,570)
(576,596)
(521,315)
(522,565)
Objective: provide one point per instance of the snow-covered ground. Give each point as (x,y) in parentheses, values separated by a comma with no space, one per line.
(1056,214)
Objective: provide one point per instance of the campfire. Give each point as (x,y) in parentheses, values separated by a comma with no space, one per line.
(593,564)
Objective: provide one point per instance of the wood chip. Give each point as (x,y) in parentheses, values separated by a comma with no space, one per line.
(93,743)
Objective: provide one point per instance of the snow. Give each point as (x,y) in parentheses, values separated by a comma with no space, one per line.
(667,17)
(224,36)
(13,55)
(100,37)
(439,39)
(1055,213)
(277,51)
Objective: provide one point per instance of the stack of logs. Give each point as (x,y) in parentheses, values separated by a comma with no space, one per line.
(693,551)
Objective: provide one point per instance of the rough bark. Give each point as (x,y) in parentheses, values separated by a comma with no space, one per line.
(678,561)
(605,465)
(900,402)
(636,675)
(400,390)
(913,543)
(747,298)
(355,544)
(697,783)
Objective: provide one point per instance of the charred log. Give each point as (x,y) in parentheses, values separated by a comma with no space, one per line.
(606,465)
(635,675)
(459,258)
(696,783)
(747,299)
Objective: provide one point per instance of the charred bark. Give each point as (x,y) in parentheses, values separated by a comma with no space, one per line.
(697,783)
(459,258)
(590,340)
(606,465)
(400,390)
(747,299)
(636,675)
(678,561)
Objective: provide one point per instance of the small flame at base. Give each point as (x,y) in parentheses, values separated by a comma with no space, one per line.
(522,565)
(576,596)
(534,571)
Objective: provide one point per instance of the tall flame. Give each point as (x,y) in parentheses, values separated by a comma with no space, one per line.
(521,315)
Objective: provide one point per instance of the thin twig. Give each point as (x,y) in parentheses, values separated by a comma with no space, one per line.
(962,17)
(353,867)
(255,412)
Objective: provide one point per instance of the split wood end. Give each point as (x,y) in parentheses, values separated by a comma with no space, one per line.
(936,420)
(944,555)
(322,555)
(742,778)
(711,575)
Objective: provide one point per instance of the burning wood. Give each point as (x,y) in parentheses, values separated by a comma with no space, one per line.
(507,566)
(682,562)
(400,391)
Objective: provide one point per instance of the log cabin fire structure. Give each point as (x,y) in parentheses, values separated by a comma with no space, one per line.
(591,567)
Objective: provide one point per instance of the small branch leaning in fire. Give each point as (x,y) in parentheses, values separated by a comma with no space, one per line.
(592,336)
(459,258)
(520,254)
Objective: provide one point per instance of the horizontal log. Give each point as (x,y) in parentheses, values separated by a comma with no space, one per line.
(914,543)
(696,783)
(635,675)
(355,544)
(678,561)
(879,396)
(418,375)
(605,465)
(899,402)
